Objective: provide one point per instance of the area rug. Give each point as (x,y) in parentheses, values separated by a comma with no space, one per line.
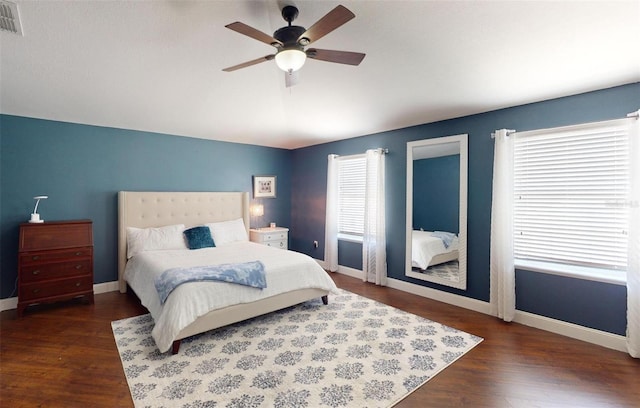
(353,352)
(447,270)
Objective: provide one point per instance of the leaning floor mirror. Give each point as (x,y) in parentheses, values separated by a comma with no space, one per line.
(437,210)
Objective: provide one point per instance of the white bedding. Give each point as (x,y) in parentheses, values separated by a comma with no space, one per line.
(285,271)
(424,247)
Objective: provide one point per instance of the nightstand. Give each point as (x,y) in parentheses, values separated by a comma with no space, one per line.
(55,262)
(277,237)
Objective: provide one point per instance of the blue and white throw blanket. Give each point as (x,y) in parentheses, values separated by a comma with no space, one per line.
(446,237)
(247,273)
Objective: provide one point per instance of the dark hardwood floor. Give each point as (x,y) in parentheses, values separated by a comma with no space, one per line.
(64,355)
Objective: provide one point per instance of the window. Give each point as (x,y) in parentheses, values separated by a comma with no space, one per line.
(351,196)
(356,210)
(571,198)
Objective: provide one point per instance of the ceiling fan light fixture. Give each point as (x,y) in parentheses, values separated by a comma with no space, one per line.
(290,59)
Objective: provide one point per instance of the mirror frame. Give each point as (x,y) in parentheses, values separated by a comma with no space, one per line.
(462,234)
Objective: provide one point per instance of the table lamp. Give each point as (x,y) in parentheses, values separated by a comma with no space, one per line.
(35,217)
(256,211)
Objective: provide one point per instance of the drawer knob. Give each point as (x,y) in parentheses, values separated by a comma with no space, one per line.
(36,272)
(77,284)
(78,253)
(36,290)
(78,267)
(35,257)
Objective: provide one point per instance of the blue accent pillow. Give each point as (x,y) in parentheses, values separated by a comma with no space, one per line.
(199,237)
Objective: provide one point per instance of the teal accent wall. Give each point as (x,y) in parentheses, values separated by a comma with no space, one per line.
(572,300)
(81,168)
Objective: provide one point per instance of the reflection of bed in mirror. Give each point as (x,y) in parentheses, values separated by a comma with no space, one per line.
(428,250)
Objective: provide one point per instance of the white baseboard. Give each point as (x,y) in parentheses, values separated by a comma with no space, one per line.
(444,297)
(8,304)
(12,303)
(344,270)
(575,331)
(105,287)
(354,273)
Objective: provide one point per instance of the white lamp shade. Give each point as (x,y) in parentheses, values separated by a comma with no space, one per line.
(290,60)
(257,210)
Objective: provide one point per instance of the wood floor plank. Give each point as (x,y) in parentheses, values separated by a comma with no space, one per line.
(64,355)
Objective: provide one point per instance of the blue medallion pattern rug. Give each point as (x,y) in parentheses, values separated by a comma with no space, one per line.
(353,352)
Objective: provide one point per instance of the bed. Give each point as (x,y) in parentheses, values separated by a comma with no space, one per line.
(197,307)
(428,250)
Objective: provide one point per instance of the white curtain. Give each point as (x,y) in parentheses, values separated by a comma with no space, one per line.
(374,242)
(331,220)
(633,261)
(502,271)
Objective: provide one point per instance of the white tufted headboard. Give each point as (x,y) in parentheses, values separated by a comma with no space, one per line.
(154,209)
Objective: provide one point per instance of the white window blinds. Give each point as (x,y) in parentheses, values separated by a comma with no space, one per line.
(351,194)
(571,189)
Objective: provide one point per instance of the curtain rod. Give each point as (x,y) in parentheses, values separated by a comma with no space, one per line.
(382,150)
(634,115)
(509,132)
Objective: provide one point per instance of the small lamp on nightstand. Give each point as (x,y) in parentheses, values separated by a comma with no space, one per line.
(35,217)
(257,210)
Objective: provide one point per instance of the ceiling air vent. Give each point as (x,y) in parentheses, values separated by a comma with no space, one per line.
(10,18)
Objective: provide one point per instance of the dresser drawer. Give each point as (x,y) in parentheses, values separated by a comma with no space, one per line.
(282,244)
(39,272)
(55,255)
(42,290)
(55,235)
(273,236)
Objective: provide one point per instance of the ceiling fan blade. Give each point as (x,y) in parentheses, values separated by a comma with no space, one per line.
(250,63)
(341,57)
(332,20)
(253,33)
(291,78)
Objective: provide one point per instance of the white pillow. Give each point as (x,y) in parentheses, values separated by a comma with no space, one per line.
(228,231)
(150,239)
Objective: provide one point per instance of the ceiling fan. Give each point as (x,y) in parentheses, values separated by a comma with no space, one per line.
(290,42)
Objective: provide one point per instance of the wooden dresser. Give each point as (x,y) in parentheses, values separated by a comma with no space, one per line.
(55,262)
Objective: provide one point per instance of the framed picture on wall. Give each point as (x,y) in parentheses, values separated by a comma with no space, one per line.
(264,186)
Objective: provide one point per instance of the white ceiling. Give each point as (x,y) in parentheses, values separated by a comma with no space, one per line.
(157,65)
